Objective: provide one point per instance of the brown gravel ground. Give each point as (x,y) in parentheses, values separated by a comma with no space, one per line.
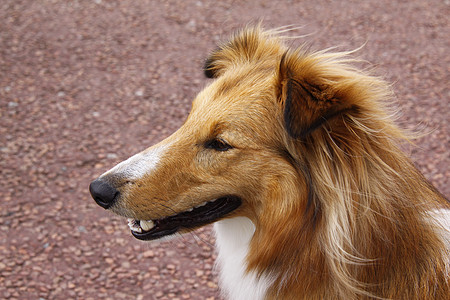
(85,84)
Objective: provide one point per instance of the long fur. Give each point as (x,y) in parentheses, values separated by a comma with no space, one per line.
(337,210)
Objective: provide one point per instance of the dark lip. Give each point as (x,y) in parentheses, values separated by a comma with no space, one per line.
(198,217)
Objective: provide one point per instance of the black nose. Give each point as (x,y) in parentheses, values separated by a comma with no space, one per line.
(103,193)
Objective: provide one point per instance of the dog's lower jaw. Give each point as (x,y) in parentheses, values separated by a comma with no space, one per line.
(232,239)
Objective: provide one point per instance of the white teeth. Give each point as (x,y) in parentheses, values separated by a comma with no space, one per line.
(133,226)
(200,205)
(140,226)
(147,225)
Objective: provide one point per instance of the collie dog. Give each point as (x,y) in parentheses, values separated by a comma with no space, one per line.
(295,157)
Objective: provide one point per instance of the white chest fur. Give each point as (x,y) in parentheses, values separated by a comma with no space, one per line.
(233,238)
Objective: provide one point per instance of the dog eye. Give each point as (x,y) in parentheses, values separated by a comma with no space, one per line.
(218,145)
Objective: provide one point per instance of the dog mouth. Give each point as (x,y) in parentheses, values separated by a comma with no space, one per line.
(198,216)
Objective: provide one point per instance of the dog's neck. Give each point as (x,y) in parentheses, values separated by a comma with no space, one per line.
(232,238)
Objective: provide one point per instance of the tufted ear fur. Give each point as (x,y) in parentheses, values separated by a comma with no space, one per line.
(209,69)
(248,45)
(310,95)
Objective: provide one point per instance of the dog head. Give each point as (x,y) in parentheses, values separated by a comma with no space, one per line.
(239,147)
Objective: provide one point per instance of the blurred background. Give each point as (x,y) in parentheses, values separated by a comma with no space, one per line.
(85,84)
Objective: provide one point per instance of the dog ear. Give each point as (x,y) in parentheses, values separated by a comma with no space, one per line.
(310,99)
(240,48)
(211,67)
(249,44)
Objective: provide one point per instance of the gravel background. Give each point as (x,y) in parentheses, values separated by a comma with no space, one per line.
(85,84)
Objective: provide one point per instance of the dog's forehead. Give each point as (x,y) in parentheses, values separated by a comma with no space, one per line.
(244,111)
(242,87)
(239,106)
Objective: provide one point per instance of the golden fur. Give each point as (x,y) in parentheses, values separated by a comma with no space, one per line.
(340,212)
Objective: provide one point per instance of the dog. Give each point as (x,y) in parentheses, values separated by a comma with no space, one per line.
(294,155)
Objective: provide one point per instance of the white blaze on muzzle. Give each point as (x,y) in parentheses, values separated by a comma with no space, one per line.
(139,164)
